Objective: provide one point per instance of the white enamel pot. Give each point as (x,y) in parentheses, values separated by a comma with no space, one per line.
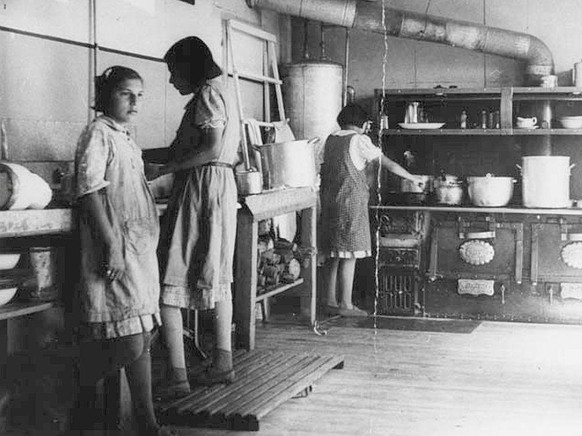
(546,181)
(490,191)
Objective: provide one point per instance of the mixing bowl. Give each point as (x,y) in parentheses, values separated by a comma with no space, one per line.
(571,122)
(7,294)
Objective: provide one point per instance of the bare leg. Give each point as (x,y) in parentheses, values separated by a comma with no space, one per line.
(173,332)
(347,268)
(139,378)
(330,274)
(221,370)
(223,325)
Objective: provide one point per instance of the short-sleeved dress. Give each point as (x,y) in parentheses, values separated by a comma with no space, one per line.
(108,161)
(344,228)
(198,236)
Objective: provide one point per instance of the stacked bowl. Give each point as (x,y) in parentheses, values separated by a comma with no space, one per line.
(8,285)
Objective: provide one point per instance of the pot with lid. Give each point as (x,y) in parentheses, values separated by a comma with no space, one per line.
(448,189)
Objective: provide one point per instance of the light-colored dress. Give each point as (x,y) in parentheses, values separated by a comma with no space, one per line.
(344,229)
(197,245)
(108,161)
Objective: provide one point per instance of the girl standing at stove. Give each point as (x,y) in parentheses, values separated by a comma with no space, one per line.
(199,235)
(345,230)
(118,229)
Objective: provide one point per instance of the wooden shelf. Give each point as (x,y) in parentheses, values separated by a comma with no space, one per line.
(481,132)
(486,210)
(33,222)
(19,308)
(278,290)
(481,93)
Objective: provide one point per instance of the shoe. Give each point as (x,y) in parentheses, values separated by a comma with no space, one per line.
(210,376)
(330,310)
(354,312)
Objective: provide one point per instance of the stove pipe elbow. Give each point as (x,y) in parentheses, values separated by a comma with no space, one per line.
(367,16)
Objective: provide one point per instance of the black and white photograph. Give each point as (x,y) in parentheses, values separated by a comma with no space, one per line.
(290,217)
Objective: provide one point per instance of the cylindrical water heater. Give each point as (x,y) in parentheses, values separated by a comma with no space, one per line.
(313,97)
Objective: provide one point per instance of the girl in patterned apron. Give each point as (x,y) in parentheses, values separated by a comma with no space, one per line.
(345,230)
(197,244)
(118,229)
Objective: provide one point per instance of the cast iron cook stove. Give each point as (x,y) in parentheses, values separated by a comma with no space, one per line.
(400,260)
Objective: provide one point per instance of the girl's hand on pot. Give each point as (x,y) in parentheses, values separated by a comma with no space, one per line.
(419,181)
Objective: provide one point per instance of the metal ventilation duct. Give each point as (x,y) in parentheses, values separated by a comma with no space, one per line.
(367,16)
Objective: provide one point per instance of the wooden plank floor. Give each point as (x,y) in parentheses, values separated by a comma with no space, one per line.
(499,379)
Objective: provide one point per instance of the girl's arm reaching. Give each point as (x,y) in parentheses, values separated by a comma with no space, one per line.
(397,169)
(208,151)
(114,262)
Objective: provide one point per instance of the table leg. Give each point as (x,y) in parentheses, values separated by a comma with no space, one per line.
(245,284)
(308,291)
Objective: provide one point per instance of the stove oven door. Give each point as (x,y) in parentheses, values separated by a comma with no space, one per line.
(556,252)
(556,268)
(476,261)
(483,250)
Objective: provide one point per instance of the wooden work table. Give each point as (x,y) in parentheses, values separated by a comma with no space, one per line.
(254,209)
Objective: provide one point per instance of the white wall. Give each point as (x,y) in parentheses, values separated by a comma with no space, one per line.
(416,64)
(46,66)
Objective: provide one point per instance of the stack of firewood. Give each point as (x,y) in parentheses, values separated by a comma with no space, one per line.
(279,261)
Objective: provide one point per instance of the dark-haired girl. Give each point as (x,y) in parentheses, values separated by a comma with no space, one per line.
(198,242)
(118,226)
(344,194)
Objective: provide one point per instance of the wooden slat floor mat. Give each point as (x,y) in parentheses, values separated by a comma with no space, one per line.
(264,380)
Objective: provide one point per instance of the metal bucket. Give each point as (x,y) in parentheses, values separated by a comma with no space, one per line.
(249,182)
(288,164)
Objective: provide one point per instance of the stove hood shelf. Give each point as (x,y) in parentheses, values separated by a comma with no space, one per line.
(485,210)
(481,132)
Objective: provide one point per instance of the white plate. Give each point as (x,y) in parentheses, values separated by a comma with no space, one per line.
(421,125)
(528,128)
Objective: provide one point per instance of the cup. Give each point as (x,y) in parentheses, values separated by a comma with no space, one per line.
(550,81)
(526,122)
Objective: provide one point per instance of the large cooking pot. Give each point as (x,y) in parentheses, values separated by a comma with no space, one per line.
(288,164)
(546,181)
(490,191)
